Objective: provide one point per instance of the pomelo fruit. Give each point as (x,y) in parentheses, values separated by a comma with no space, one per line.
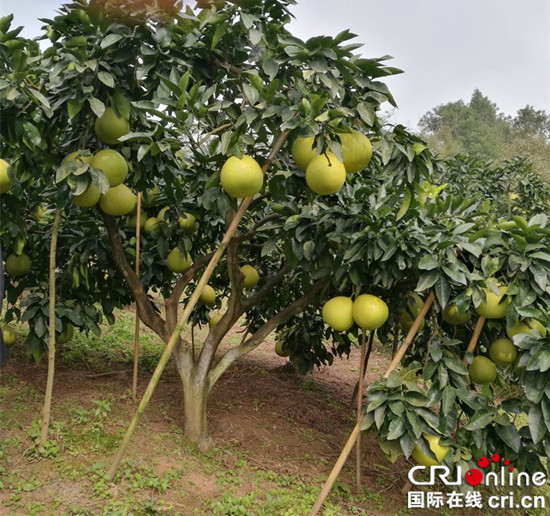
(214,319)
(338,313)
(251,276)
(5,182)
(65,336)
(356,150)
(18,264)
(178,261)
(109,127)
(482,370)
(302,152)
(526,326)
(495,305)
(188,223)
(453,316)
(502,352)
(439,451)
(112,164)
(241,177)
(411,311)
(370,312)
(151,224)
(207,296)
(8,335)
(88,198)
(325,174)
(119,200)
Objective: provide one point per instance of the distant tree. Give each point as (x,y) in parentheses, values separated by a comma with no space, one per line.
(478,129)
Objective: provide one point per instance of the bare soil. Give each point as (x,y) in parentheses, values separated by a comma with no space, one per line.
(274,431)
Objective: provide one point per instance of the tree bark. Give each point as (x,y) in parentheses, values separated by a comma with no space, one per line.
(195,395)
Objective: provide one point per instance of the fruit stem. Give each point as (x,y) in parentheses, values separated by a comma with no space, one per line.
(46,410)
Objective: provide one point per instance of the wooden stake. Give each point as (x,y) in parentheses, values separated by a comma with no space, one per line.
(359,408)
(336,470)
(46,410)
(410,336)
(136,335)
(356,431)
(132,427)
(475,337)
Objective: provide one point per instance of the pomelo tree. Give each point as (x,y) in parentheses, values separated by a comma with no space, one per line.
(196,88)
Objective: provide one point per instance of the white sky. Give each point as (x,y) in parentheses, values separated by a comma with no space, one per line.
(447,48)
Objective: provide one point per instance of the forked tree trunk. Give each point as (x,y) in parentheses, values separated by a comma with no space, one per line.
(195,395)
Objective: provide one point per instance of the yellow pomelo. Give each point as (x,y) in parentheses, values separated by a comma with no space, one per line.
(8,335)
(325,174)
(112,164)
(338,313)
(439,451)
(356,150)
(109,127)
(482,370)
(151,224)
(411,311)
(502,352)
(18,264)
(88,198)
(241,177)
(151,197)
(188,223)
(5,182)
(162,215)
(302,152)
(251,276)
(65,337)
(370,312)
(280,349)
(453,316)
(119,200)
(214,319)
(208,296)
(526,326)
(178,261)
(132,220)
(495,305)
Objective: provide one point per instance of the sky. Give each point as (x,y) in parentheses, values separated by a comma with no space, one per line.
(446,48)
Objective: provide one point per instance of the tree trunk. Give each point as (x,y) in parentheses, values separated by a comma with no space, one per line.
(195,394)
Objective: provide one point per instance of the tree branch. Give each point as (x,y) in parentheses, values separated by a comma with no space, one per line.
(269,282)
(255,340)
(146,310)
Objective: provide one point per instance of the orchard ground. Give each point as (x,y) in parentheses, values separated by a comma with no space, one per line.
(276,434)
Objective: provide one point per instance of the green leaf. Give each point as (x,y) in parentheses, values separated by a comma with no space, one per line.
(73,107)
(109,40)
(97,106)
(251,93)
(536,424)
(480,420)
(107,79)
(509,434)
(427,280)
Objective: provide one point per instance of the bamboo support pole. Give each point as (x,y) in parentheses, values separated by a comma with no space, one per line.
(359,408)
(475,337)
(136,334)
(46,410)
(357,429)
(185,316)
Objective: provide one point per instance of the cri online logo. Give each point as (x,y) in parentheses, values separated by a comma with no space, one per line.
(475,476)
